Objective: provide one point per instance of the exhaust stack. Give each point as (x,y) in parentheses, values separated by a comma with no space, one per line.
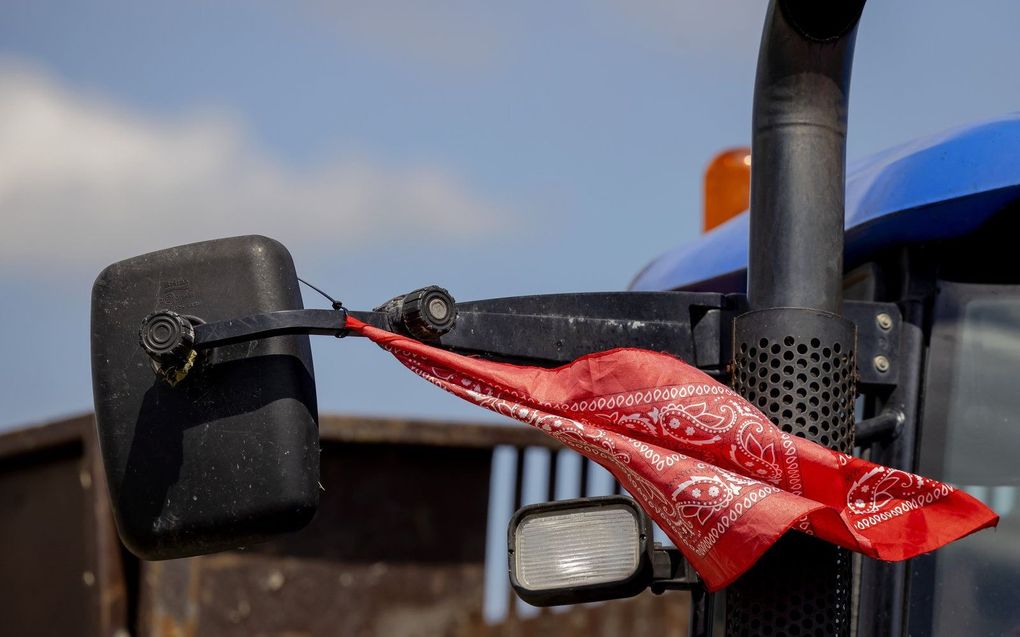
(799,154)
(794,355)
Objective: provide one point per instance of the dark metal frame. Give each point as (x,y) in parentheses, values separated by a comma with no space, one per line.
(543,330)
(557,328)
(889,432)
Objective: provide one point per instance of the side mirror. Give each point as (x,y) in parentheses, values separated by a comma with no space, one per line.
(229,454)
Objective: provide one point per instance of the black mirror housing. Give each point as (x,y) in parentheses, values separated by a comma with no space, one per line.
(229,455)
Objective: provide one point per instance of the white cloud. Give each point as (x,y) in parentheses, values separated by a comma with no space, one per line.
(85,181)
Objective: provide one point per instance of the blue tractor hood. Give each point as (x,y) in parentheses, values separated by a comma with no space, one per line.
(938,187)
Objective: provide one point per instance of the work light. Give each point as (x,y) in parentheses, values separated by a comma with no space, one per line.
(580,550)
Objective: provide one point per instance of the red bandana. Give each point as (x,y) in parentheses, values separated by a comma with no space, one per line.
(721,480)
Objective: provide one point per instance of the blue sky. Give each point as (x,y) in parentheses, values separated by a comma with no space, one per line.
(523,148)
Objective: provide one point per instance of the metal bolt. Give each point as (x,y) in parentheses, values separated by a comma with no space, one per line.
(884,321)
(881,363)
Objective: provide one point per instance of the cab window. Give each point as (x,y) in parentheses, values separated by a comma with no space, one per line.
(970,437)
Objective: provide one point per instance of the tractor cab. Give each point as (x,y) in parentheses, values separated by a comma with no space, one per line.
(930,227)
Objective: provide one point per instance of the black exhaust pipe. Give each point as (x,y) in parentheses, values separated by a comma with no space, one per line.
(798,154)
(795,269)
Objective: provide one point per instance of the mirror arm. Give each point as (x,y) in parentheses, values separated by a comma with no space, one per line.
(171,339)
(264,325)
(541,330)
(280,323)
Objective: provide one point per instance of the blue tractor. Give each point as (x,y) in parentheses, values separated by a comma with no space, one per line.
(906,259)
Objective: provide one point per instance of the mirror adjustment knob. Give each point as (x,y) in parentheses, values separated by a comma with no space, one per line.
(425,314)
(428,313)
(167,337)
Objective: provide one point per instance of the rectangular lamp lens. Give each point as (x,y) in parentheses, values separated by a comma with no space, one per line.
(563,549)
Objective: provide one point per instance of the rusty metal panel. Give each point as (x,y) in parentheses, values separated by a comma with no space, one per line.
(431,433)
(43,560)
(61,559)
(106,576)
(398,548)
(251,594)
(44,438)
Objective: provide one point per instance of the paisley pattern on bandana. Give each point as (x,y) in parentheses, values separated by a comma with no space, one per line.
(721,480)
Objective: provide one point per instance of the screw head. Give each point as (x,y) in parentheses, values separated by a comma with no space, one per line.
(881,363)
(884,321)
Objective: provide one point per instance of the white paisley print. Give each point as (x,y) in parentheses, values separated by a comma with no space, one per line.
(699,509)
(706,465)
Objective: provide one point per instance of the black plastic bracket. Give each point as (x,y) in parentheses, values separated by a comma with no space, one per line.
(247,328)
(557,328)
(878,341)
(542,330)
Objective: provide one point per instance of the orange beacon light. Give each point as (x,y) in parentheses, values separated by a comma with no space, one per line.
(727,189)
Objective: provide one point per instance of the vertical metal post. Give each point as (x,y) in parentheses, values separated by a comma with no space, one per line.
(798,154)
(794,356)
